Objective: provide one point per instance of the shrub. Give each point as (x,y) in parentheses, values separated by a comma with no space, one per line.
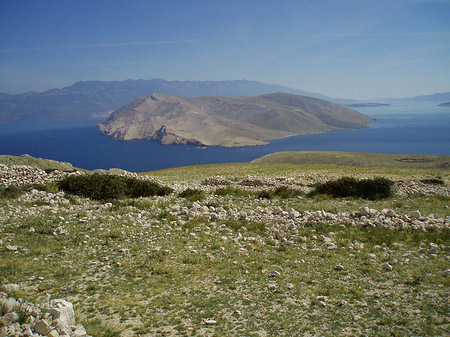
(104,187)
(286,192)
(372,189)
(265,194)
(433,181)
(48,187)
(11,192)
(192,194)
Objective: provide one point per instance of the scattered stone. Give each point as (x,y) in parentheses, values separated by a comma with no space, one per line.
(271,286)
(8,319)
(42,327)
(210,321)
(11,288)
(387,266)
(320,301)
(53,333)
(339,267)
(364,211)
(63,315)
(274,273)
(416,214)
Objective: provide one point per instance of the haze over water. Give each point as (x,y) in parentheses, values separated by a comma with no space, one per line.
(403,128)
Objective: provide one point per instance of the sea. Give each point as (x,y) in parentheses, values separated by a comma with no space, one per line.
(403,127)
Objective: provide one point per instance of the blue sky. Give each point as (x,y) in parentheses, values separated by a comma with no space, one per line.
(342,48)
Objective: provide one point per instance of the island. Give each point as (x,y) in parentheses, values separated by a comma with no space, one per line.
(444,104)
(365,105)
(228,121)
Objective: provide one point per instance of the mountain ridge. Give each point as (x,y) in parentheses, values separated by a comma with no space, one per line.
(227,121)
(442,96)
(87,99)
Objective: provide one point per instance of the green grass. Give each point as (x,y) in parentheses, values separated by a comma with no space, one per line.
(238,171)
(136,267)
(357,159)
(44,164)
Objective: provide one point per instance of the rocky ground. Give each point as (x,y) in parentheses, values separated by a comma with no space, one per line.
(232,264)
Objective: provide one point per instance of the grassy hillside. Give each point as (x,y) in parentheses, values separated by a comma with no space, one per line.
(236,262)
(44,164)
(237,171)
(358,159)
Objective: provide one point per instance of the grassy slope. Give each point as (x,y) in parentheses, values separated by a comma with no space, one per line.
(125,278)
(44,164)
(238,171)
(357,159)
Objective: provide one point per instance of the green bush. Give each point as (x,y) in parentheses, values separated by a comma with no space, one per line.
(266,194)
(286,192)
(11,192)
(48,187)
(373,189)
(104,187)
(192,194)
(433,181)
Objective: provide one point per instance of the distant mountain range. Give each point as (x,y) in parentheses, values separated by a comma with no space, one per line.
(443,96)
(228,121)
(99,98)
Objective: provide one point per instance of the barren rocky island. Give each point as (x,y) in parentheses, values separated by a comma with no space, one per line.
(228,121)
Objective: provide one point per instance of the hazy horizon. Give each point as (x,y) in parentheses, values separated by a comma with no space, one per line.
(345,49)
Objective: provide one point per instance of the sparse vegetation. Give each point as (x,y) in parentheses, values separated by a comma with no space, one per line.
(105,187)
(11,192)
(373,189)
(192,194)
(243,266)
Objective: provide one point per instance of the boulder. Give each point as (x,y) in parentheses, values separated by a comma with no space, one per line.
(63,316)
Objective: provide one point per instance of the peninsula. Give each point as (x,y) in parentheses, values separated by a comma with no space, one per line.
(228,121)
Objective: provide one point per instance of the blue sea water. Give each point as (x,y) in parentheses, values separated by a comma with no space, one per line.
(402,128)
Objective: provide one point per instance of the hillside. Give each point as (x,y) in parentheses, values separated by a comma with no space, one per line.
(357,159)
(234,250)
(43,164)
(229,122)
(98,98)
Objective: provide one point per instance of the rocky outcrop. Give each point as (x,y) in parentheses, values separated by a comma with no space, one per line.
(53,319)
(21,175)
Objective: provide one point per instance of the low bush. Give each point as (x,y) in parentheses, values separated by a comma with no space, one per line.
(266,194)
(105,186)
(192,194)
(11,192)
(286,192)
(49,187)
(373,189)
(433,181)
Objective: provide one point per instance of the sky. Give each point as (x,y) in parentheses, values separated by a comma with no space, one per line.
(356,49)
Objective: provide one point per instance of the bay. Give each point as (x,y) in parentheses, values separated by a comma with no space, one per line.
(402,128)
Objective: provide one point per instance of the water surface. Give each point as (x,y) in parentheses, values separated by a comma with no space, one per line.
(402,128)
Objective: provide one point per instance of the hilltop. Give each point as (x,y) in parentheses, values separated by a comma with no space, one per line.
(228,121)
